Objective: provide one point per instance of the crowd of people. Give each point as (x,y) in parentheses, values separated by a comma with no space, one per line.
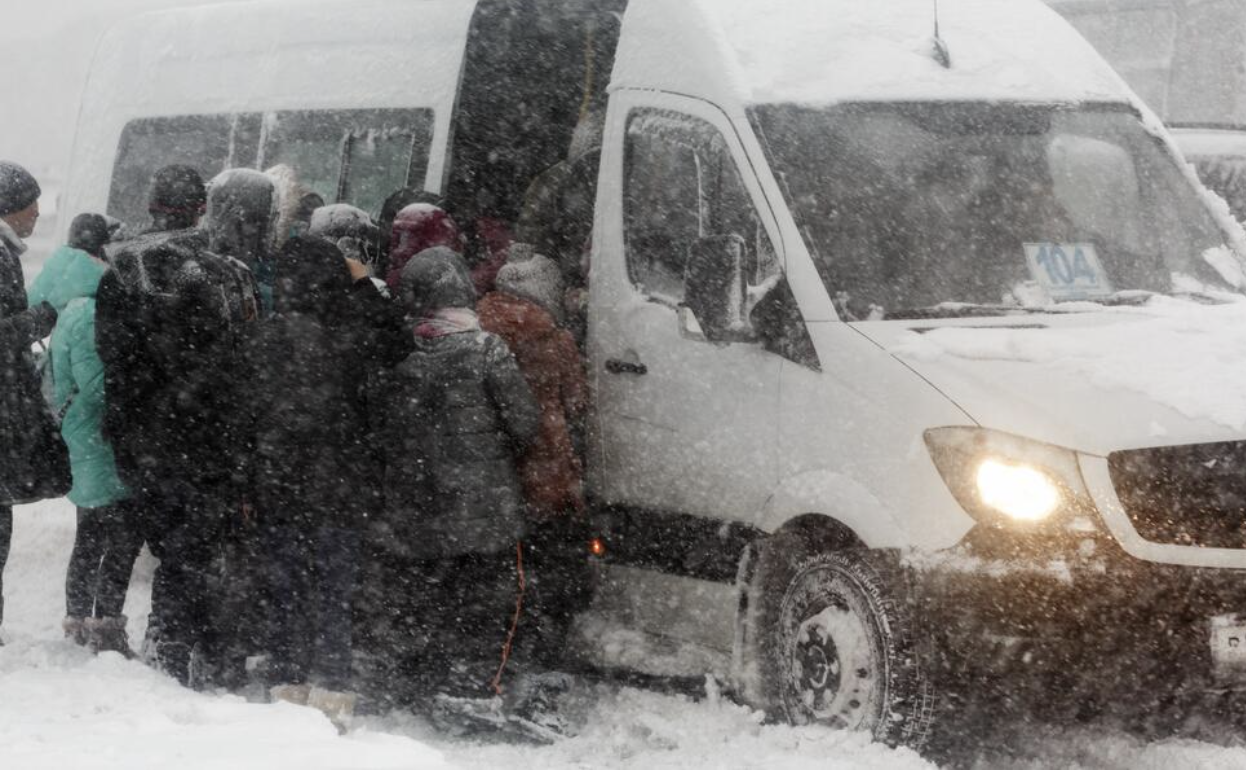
(352,444)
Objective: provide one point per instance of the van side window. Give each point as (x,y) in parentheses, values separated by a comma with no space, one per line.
(353,156)
(148,144)
(682,186)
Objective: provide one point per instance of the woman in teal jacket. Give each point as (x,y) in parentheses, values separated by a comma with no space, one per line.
(107,543)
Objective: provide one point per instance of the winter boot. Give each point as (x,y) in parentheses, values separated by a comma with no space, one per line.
(339,707)
(481,717)
(75,630)
(534,698)
(174,659)
(289,693)
(108,635)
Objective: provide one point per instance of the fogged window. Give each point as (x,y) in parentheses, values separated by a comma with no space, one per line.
(352,156)
(201,141)
(910,206)
(682,184)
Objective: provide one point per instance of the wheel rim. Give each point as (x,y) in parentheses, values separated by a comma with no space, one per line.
(833,674)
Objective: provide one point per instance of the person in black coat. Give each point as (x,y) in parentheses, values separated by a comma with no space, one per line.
(169,320)
(312,470)
(452,420)
(21,401)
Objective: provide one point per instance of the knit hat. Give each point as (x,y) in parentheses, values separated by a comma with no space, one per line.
(89,233)
(177,189)
(18,189)
(436,279)
(536,279)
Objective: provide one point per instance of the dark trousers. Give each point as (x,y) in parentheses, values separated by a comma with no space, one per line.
(106,544)
(241,607)
(182,527)
(312,572)
(454,621)
(559,585)
(6,536)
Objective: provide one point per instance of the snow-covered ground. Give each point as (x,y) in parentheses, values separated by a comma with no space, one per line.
(62,708)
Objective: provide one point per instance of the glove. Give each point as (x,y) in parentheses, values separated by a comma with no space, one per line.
(42,319)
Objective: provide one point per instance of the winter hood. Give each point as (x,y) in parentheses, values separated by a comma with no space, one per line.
(416,228)
(242,215)
(311,277)
(69,273)
(290,194)
(1096,382)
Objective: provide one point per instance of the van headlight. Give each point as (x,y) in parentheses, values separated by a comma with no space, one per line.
(1005,480)
(1017,490)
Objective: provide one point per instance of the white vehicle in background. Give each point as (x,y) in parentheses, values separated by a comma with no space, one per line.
(1184,60)
(1218,153)
(837,459)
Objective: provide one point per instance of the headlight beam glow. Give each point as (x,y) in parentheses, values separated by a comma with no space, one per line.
(1021,492)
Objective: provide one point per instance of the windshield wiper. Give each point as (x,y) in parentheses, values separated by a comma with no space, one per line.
(1136,297)
(960,310)
(1125,298)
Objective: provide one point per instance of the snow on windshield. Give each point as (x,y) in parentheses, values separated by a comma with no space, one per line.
(914,205)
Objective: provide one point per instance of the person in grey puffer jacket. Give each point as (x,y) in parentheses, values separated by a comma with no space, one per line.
(452,420)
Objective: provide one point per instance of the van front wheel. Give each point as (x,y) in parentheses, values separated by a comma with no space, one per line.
(837,649)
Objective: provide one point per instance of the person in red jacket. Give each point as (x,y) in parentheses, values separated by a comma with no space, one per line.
(524,311)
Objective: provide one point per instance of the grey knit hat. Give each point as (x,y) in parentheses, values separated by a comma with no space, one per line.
(536,279)
(18,189)
(434,279)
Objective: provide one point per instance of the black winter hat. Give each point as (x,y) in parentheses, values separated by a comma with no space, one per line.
(311,277)
(436,278)
(18,189)
(90,233)
(177,189)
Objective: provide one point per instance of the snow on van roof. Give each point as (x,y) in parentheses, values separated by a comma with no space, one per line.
(216,56)
(824,51)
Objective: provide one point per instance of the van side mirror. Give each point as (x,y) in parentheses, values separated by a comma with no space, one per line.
(714,288)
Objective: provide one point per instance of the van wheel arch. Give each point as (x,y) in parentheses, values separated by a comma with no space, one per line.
(817,545)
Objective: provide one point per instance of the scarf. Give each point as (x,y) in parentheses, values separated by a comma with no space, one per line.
(446,321)
(10,239)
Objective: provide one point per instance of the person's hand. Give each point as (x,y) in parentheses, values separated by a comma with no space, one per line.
(43,317)
(248,512)
(575,301)
(357,269)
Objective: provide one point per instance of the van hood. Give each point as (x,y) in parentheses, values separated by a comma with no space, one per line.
(1096,381)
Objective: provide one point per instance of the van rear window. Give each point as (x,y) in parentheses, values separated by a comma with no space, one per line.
(148,144)
(351,156)
(348,156)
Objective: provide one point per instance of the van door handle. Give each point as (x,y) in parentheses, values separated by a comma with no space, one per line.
(616,366)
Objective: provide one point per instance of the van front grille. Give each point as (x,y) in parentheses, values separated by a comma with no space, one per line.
(1191,495)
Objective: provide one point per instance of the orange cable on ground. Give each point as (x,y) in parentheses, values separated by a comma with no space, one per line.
(510,635)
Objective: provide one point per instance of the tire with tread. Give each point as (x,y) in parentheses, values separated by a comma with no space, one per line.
(834,641)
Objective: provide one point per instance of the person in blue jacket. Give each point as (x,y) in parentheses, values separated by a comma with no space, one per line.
(107,542)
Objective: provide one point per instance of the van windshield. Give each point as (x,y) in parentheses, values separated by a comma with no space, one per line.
(916,209)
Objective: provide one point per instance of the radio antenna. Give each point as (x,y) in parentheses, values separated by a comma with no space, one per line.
(941,53)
